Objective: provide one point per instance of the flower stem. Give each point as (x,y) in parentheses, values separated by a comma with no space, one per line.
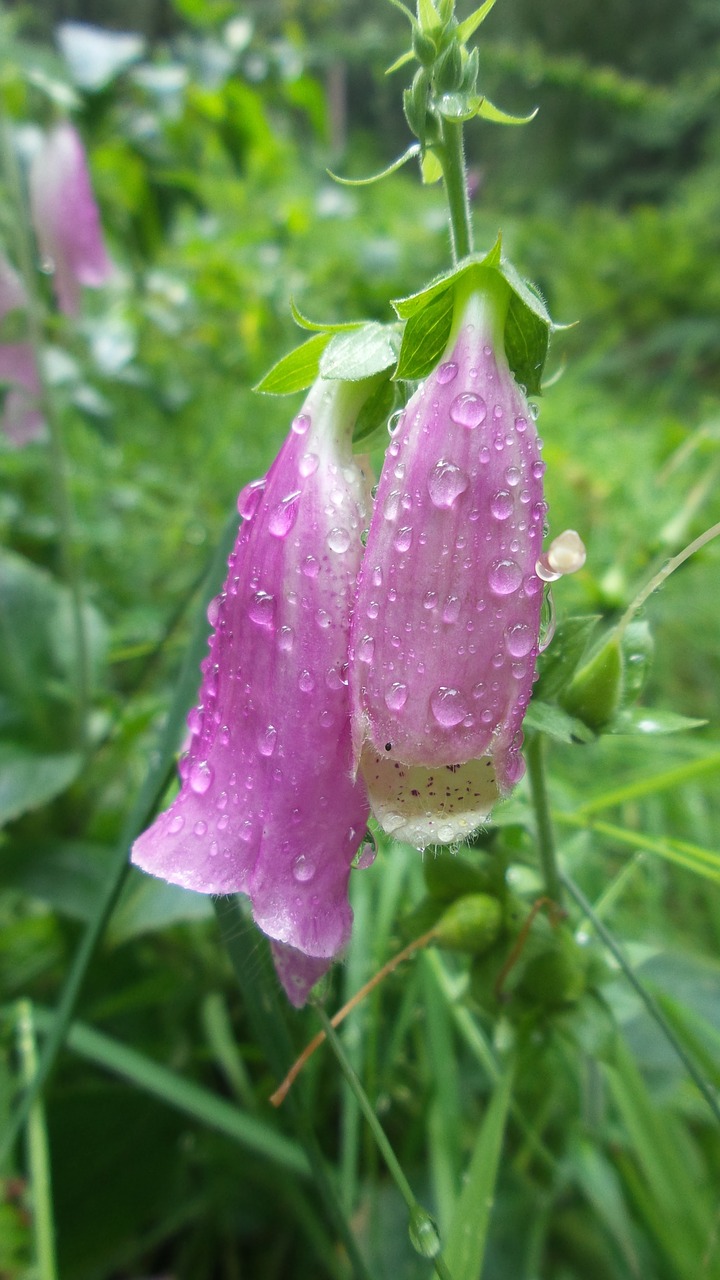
(451,155)
(419,1217)
(58,461)
(38,1154)
(535,756)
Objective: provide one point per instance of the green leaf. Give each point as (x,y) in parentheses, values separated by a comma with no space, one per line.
(314,327)
(69,875)
(428,15)
(376,411)
(647,720)
(465,1249)
(430,168)
(425,337)
(29,780)
(488,111)
(360,354)
(296,371)
(469,26)
(147,905)
(558,663)
(548,718)
(402,61)
(412,150)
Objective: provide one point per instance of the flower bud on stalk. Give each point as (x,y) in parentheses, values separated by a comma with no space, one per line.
(267,805)
(445,628)
(66,218)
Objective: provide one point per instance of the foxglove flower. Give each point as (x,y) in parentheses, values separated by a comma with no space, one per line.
(66,218)
(20,417)
(268,806)
(445,627)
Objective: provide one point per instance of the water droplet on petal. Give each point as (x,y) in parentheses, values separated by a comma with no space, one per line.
(301,424)
(377,576)
(366,649)
(286,639)
(213,611)
(308,464)
(310,567)
(505,577)
(262,609)
(430,600)
(392,505)
(396,696)
(520,640)
(521,424)
(200,827)
(501,504)
(323,619)
(200,777)
(283,516)
(468,410)
(249,498)
(403,539)
(446,373)
(267,741)
(195,719)
(451,609)
(176,825)
(512,476)
(306,682)
(448,707)
(538,470)
(338,540)
(445,483)
(303,869)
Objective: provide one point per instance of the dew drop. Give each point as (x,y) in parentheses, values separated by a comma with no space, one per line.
(445,483)
(451,609)
(538,470)
(366,854)
(311,567)
(200,777)
(267,741)
(286,639)
(366,649)
(534,411)
(448,707)
(301,424)
(521,425)
(505,577)
(195,719)
(200,827)
(338,540)
(377,576)
(303,869)
(520,640)
(373,610)
(176,825)
(249,498)
(306,682)
(403,539)
(262,609)
(213,611)
(396,696)
(392,505)
(512,476)
(223,821)
(468,410)
(501,504)
(446,373)
(308,464)
(430,600)
(283,516)
(323,619)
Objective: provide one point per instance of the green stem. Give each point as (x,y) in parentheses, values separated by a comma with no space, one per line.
(58,462)
(420,1220)
(451,155)
(535,756)
(38,1153)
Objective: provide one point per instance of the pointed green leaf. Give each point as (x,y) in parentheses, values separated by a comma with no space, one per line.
(548,718)
(465,1249)
(361,354)
(470,25)
(402,61)
(558,663)
(430,168)
(314,326)
(377,177)
(649,720)
(297,370)
(376,411)
(425,337)
(488,111)
(28,780)
(428,15)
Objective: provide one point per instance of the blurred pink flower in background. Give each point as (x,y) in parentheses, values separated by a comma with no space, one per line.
(20,416)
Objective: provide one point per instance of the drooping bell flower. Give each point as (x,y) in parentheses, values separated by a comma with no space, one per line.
(20,417)
(65,216)
(446,621)
(268,806)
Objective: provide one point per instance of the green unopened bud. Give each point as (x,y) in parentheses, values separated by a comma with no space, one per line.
(415,102)
(468,84)
(448,70)
(595,691)
(424,47)
(471,924)
(558,975)
(448,875)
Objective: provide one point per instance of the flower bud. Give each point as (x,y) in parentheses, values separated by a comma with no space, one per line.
(20,417)
(445,628)
(471,924)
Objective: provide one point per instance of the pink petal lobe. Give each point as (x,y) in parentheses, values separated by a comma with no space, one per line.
(445,627)
(66,218)
(267,805)
(20,417)
(297,972)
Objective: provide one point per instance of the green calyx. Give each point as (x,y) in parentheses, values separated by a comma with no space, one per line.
(429,316)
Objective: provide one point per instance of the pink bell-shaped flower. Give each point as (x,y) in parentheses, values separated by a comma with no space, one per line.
(445,626)
(20,417)
(66,218)
(268,806)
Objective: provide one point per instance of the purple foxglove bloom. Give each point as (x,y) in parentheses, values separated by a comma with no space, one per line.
(20,418)
(66,218)
(268,806)
(445,627)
